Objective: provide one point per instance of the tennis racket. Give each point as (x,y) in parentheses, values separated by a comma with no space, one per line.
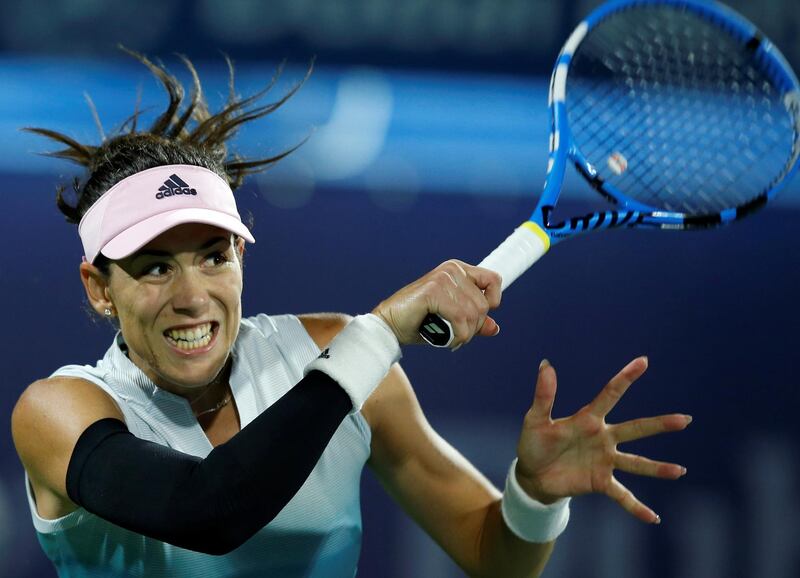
(679,112)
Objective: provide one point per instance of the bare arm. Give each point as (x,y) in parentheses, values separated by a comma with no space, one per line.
(557,458)
(46,423)
(445,494)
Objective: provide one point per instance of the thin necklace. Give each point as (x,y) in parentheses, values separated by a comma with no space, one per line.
(219,406)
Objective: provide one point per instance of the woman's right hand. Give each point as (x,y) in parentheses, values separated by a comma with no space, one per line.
(461,293)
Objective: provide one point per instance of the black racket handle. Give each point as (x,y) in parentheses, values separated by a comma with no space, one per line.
(436,330)
(511,259)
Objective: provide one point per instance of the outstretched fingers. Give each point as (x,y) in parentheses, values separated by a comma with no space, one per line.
(625,498)
(544,395)
(649,426)
(642,466)
(616,388)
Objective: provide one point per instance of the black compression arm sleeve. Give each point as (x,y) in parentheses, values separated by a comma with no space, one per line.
(211,505)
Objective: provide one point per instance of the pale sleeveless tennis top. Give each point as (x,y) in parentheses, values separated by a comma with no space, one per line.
(317,534)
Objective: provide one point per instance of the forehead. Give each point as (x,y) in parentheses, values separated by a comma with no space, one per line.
(186,237)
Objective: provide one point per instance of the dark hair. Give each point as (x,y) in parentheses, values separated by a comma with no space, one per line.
(185,133)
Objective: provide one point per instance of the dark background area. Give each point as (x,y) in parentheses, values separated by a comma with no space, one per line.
(445,156)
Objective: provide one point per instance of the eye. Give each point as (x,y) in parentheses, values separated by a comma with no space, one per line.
(155,270)
(216,259)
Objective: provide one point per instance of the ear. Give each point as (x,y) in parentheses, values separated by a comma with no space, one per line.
(239,246)
(95,282)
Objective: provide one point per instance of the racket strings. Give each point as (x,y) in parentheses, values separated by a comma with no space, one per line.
(682,178)
(649,180)
(710,194)
(681,172)
(700,142)
(699,121)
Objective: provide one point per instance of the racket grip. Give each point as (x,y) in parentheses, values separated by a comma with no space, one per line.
(517,253)
(436,330)
(510,259)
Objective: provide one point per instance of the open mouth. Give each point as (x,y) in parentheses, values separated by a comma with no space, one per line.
(192,338)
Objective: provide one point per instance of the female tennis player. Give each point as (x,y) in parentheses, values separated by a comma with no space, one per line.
(208,444)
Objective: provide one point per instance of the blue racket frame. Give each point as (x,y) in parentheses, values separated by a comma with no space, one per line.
(632,213)
(533,238)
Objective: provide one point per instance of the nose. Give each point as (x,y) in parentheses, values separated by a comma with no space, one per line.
(189,296)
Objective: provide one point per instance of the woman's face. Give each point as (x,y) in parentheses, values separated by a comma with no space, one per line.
(178,300)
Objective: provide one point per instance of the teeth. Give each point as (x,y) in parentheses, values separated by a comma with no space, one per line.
(193,338)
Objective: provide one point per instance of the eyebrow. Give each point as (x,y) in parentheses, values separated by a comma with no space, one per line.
(158,253)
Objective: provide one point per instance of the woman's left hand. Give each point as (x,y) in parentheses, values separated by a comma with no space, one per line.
(578,454)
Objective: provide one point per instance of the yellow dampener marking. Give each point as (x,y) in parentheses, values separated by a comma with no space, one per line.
(541,233)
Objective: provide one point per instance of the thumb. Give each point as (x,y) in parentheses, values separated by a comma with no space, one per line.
(490,327)
(545,394)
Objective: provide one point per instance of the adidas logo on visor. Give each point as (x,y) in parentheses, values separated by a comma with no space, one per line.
(174,185)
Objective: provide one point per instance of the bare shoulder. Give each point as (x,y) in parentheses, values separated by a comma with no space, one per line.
(60,403)
(322,327)
(47,421)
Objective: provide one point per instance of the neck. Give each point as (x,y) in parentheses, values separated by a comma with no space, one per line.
(213,395)
(201,399)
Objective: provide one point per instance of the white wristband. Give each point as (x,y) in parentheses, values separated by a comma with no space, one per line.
(359,357)
(529,519)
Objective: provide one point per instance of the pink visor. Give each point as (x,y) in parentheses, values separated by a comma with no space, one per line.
(142,206)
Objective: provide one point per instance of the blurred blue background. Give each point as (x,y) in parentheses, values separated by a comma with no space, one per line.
(427,123)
